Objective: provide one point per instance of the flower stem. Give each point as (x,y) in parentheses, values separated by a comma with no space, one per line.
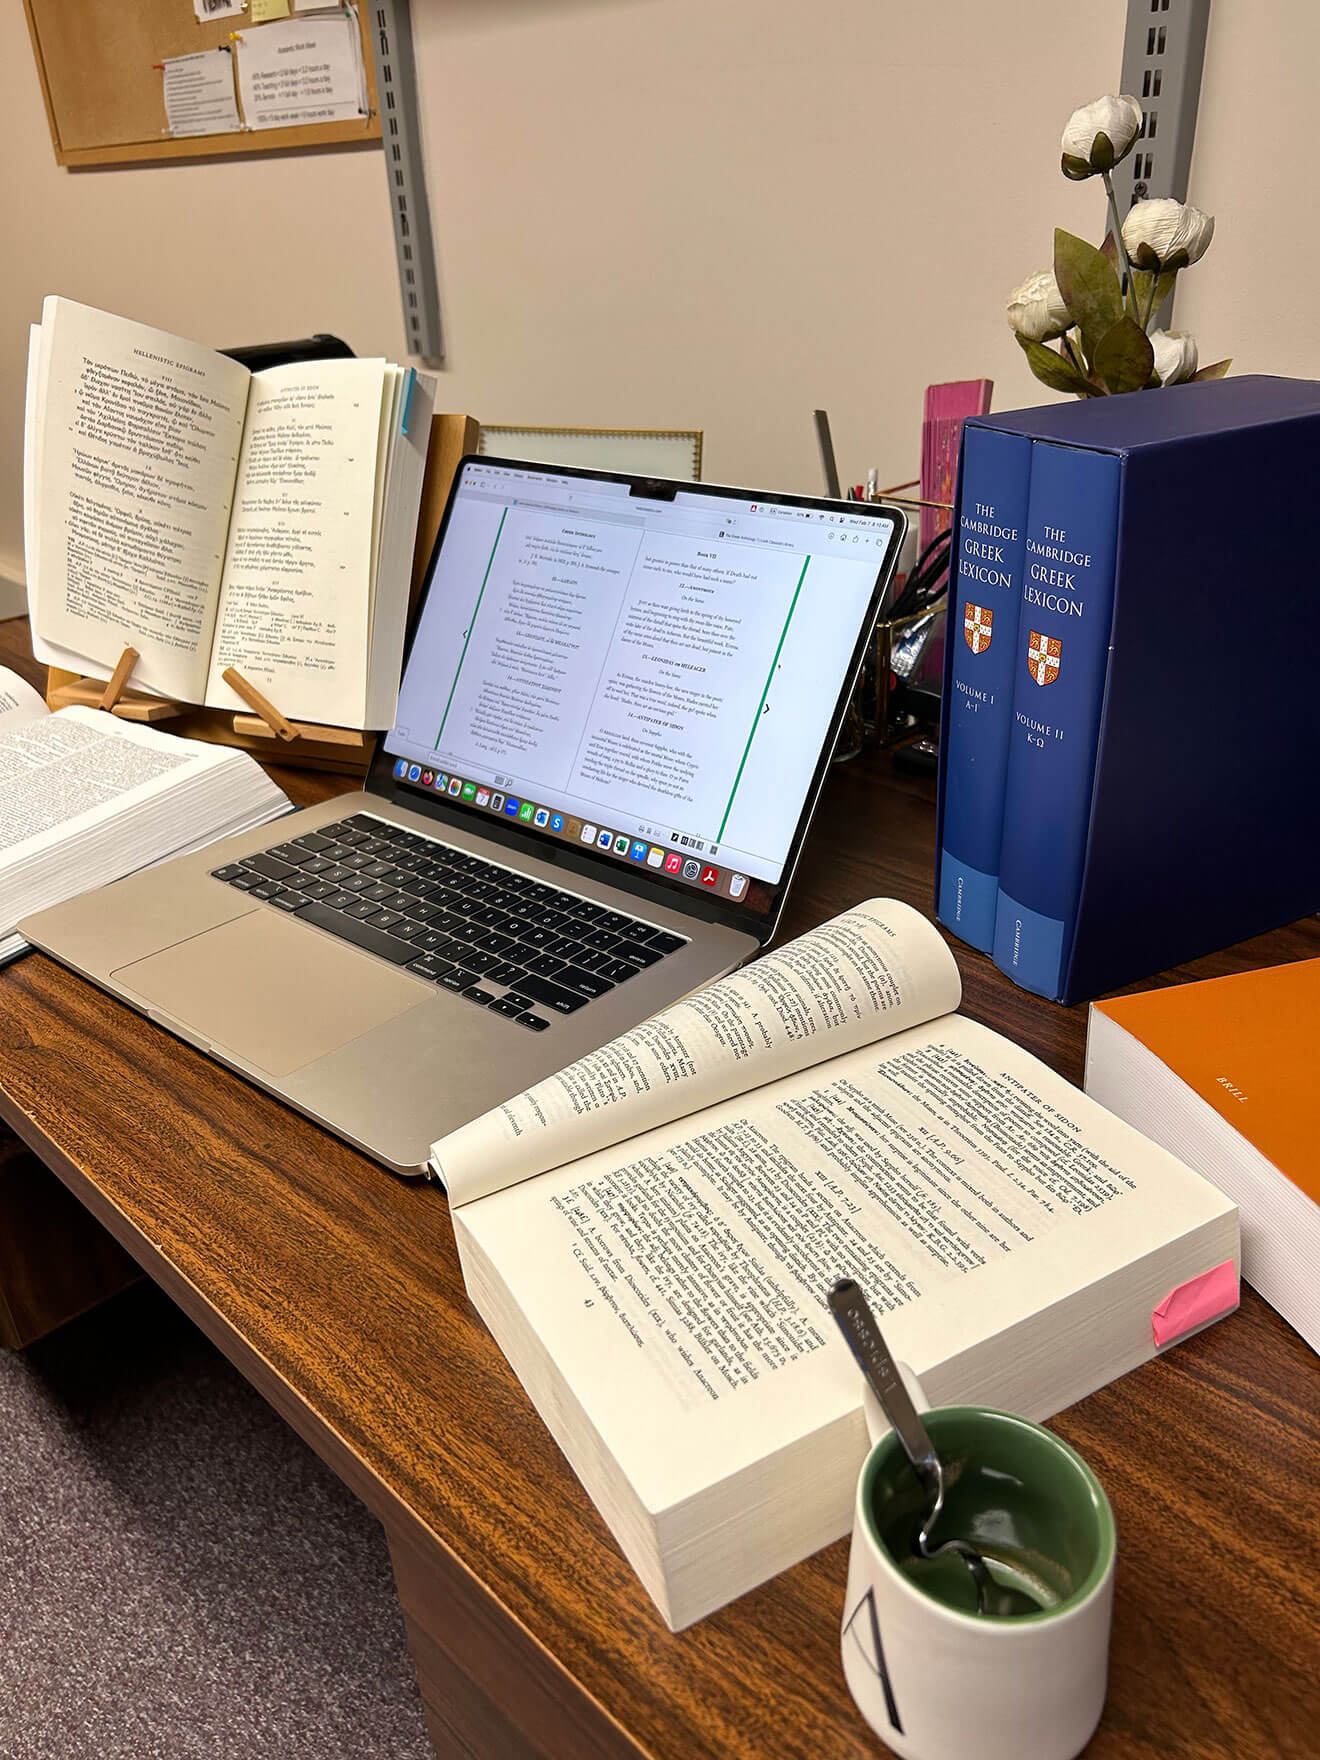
(1116,227)
(1150,303)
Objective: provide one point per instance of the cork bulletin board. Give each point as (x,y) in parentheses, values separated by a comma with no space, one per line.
(100,67)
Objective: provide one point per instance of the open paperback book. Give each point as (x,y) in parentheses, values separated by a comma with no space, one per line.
(651,1234)
(86,798)
(209,517)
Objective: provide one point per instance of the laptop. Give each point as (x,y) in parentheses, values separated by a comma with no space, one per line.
(617,708)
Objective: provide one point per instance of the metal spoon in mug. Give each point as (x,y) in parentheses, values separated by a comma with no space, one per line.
(857,1324)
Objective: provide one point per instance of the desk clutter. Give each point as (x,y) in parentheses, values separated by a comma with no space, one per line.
(1129,738)
(651,1233)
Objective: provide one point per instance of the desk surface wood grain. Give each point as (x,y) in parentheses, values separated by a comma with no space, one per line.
(336,1288)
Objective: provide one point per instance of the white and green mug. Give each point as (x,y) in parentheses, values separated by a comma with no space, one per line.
(935,1679)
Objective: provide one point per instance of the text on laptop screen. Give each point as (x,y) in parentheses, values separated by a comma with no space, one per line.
(654,678)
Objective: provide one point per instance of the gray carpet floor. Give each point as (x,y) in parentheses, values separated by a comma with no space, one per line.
(180,1577)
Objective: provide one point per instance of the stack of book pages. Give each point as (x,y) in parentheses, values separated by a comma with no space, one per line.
(86,798)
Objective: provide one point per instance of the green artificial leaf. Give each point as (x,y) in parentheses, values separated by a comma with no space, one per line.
(1124,358)
(1139,304)
(1217,371)
(1102,151)
(1075,169)
(1089,287)
(1109,250)
(1052,370)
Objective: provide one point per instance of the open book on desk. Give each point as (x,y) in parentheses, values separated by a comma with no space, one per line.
(650,1235)
(209,517)
(86,798)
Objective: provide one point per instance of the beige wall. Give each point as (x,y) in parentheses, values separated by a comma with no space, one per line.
(710,213)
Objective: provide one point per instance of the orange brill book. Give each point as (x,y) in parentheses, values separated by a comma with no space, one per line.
(1224,1074)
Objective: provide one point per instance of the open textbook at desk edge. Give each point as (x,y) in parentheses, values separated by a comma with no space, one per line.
(651,1234)
(86,798)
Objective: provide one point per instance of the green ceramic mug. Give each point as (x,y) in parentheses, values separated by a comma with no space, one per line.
(934,1678)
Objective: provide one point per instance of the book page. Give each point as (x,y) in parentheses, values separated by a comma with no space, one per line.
(19,703)
(296,599)
(48,652)
(136,446)
(874,970)
(678,1283)
(60,774)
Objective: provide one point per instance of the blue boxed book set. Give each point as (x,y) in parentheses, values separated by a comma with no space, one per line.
(1131,718)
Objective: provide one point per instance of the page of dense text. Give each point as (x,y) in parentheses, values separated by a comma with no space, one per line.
(19,703)
(874,970)
(679,1282)
(66,772)
(295,604)
(137,442)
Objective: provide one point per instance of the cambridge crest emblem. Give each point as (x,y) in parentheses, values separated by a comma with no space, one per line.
(1043,655)
(978,622)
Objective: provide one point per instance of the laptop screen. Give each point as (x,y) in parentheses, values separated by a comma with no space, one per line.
(649,678)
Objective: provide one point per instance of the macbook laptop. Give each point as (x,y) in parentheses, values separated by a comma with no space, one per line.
(616,713)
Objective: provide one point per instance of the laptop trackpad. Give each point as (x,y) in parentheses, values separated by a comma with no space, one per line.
(272,992)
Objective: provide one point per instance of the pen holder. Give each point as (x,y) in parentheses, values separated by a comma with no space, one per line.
(876,713)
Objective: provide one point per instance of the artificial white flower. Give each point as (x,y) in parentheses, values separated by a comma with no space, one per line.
(1037,310)
(1099,135)
(1165,234)
(1175,355)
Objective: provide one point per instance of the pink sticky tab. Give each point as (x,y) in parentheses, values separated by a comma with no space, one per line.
(1195,1302)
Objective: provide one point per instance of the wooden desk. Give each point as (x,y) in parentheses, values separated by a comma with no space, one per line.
(335,1288)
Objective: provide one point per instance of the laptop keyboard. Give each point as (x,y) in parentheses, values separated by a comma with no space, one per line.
(525,950)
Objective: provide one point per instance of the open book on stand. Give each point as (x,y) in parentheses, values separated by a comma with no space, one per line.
(86,798)
(208,517)
(651,1234)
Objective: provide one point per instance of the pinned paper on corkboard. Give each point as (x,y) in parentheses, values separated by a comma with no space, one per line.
(199,93)
(301,70)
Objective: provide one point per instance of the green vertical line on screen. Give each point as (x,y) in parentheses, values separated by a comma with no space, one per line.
(760,708)
(471,626)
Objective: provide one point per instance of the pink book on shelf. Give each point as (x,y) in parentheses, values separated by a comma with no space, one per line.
(947,407)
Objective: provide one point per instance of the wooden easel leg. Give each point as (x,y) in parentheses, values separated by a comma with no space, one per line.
(119,678)
(255,701)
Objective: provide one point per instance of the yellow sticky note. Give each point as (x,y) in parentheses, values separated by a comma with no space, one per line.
(263,11)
